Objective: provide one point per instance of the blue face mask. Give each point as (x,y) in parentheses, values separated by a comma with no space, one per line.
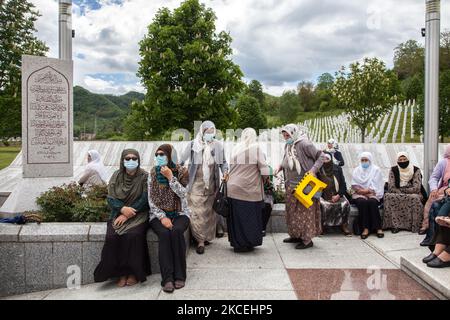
(290,141)
(208,137)
(161,161)
(131,164)
(365,165)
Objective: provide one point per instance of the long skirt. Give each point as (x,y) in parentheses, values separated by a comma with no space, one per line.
(334,214)
(124,255)
(403,211)
(302,223)
(203,218)
(172,249)
(245,224)
(369,214)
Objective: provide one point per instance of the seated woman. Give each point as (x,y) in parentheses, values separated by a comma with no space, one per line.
(333,204)
(440,257)
(125,252)
(403,207)
(438,183)
(246,193)
(368,190)
(95,172)
(169,216)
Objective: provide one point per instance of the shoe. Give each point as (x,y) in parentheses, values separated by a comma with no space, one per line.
(438,263)
(395,230)
(131,281)
(380,235)
(364,236)
(423,231)
(168,287)
(426,242)
(302,246)
(292,240)
(122,282)
(200,250)
(428,258)
(179,284)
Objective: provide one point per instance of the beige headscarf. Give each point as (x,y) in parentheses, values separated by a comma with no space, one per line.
(405,174)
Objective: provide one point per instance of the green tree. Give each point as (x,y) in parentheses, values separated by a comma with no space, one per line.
(366,91)
(289,106)
(187,70)
(255,90)
(413,86)
(409,59)
(17,18)
(323,96)
(135,125)
(444,107)
(305,91)
(250,113)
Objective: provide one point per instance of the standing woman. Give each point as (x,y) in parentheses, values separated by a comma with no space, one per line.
(94,172)
(206,160)
(403,207)
(245,189)
(333,203)
(333,148)
(125,252)
(300,157)
(368,190)
(169,216)
(438,183)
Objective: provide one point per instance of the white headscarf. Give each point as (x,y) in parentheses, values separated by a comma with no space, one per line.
(334,146)
(97,165)
(405,174)
(200,145)
(291,154)
(370,178)
(247,141)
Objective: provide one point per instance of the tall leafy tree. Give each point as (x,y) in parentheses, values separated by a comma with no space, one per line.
(250,113)
(255,89)
(289,106)
(187,70)
(305,91)
(444,107)
(17,18)
(409,59)
(366,91)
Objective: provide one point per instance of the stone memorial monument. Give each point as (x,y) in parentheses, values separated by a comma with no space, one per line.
(47,130)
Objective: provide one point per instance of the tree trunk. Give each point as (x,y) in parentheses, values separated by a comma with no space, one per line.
(363,135)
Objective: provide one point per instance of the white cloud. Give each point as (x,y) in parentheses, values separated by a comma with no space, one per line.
(278,42)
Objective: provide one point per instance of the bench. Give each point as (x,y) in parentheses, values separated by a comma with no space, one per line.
(36,257)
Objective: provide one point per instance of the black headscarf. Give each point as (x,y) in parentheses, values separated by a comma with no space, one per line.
(125,187)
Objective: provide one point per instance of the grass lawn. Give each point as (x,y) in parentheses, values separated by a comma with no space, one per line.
(7,155)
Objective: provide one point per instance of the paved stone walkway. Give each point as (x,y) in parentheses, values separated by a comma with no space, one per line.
(337,267)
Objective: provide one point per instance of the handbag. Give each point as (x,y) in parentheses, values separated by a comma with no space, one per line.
(221,204)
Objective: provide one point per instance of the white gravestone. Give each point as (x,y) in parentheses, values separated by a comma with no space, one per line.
(47,117)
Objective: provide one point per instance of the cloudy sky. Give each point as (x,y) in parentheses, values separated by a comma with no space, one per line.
(278,42)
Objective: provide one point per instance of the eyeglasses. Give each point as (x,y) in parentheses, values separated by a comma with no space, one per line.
(131,158)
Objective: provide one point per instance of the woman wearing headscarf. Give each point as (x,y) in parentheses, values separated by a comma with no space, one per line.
(438,182)
(95,172)
(440,257)
(333,148)
(125,252)
(206,160)
(333,203)
(368,190)
(403,207)
(169,216)
(300,157)
(245,188)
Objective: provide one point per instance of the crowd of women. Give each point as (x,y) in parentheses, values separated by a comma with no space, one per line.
(178,193)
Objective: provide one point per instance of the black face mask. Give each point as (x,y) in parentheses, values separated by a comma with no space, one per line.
(403,165)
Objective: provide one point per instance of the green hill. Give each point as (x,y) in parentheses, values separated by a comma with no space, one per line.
(101,113)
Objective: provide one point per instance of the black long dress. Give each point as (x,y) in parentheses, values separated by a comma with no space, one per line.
(245,224)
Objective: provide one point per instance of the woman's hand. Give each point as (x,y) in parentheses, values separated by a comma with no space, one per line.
(166,172)
(167,223)
(443,221)
(447,191)
(120,220)
(225,178)
(128,212)
(434,193)
(335,198)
